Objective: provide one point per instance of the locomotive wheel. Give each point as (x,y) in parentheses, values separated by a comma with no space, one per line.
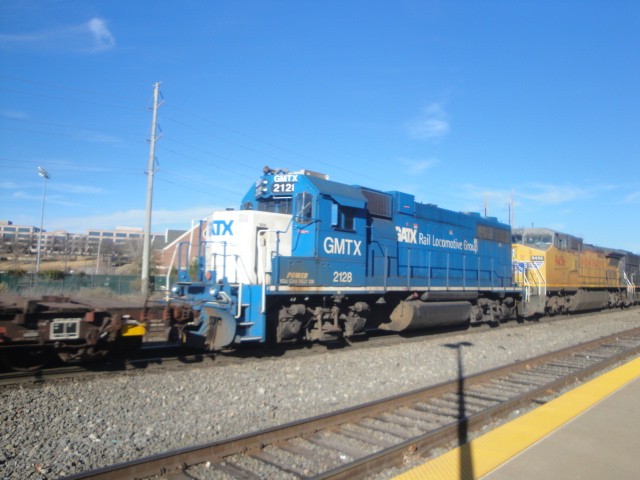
(26,359)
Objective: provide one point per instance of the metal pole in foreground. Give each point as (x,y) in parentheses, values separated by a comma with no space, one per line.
(146,248)
(44,174)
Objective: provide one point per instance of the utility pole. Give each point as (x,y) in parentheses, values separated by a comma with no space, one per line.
(146,248)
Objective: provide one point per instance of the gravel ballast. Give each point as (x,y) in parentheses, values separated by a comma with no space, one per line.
(65,427)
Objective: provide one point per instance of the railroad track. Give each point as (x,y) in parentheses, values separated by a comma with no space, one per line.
(160,355)
(147,359)
(361,441)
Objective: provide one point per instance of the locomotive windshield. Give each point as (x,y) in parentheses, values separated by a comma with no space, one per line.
(541,241)
(275,205)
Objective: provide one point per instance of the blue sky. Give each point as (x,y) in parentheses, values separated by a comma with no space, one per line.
(462,103)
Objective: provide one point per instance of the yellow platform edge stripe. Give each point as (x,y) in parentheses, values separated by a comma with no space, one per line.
(494,448)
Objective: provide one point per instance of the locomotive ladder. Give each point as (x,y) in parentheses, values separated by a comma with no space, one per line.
(537,286)
(631,288)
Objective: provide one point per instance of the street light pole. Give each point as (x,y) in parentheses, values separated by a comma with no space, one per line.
(44,174)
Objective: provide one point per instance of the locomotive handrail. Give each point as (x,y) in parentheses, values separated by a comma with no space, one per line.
(408,268)
(464,272)
(263,307)
(224,255)
(173,257)
(239,310)
(447,279)
(631,288)
(527,285)
(386,267)
(492,279)
(540,282)
(263,280)
(263,261)
(225,296)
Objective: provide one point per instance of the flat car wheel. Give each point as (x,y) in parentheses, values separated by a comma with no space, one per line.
(26,359)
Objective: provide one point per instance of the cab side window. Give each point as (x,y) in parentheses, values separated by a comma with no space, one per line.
(304,207)
(342,218)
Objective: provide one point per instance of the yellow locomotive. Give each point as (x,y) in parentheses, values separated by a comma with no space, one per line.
(559,273)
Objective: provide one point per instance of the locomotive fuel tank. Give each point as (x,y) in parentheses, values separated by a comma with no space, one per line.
(416,315)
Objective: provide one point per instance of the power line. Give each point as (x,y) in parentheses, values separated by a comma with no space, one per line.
(359,174)
(222,138)
(189,186)
(76,100)
(235,131)
(27,165)
(206,152)
(332,165)
(57,86)
(62,125)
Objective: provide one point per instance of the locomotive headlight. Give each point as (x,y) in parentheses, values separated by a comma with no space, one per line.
(213,291)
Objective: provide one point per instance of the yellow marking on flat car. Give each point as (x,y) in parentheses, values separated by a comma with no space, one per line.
(133,330)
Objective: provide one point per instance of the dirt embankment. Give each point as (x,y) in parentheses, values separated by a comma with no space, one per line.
(77,264)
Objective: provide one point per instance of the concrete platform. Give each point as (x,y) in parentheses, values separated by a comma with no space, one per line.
(592,432)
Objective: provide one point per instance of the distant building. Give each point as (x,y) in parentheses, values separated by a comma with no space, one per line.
(16,236)
(24,239)
(181,250)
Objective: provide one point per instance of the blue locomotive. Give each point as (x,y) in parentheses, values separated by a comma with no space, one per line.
(307,258)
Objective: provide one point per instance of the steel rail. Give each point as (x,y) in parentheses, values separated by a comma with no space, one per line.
(230,356)
(394,456)
(253,443)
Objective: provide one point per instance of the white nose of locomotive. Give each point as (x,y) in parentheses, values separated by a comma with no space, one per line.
(240,244)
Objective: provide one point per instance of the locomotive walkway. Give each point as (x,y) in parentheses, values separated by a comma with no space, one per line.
(588,433)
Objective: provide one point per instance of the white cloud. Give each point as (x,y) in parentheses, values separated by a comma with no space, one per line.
(13,114)
(478,192)
(432,124)
(417,166)
(534,194)
(73,188)
(100,138)
(21,195)
(632,198)
(50,199)
(89,37)
(103,39)
(556,194)
(161,219)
